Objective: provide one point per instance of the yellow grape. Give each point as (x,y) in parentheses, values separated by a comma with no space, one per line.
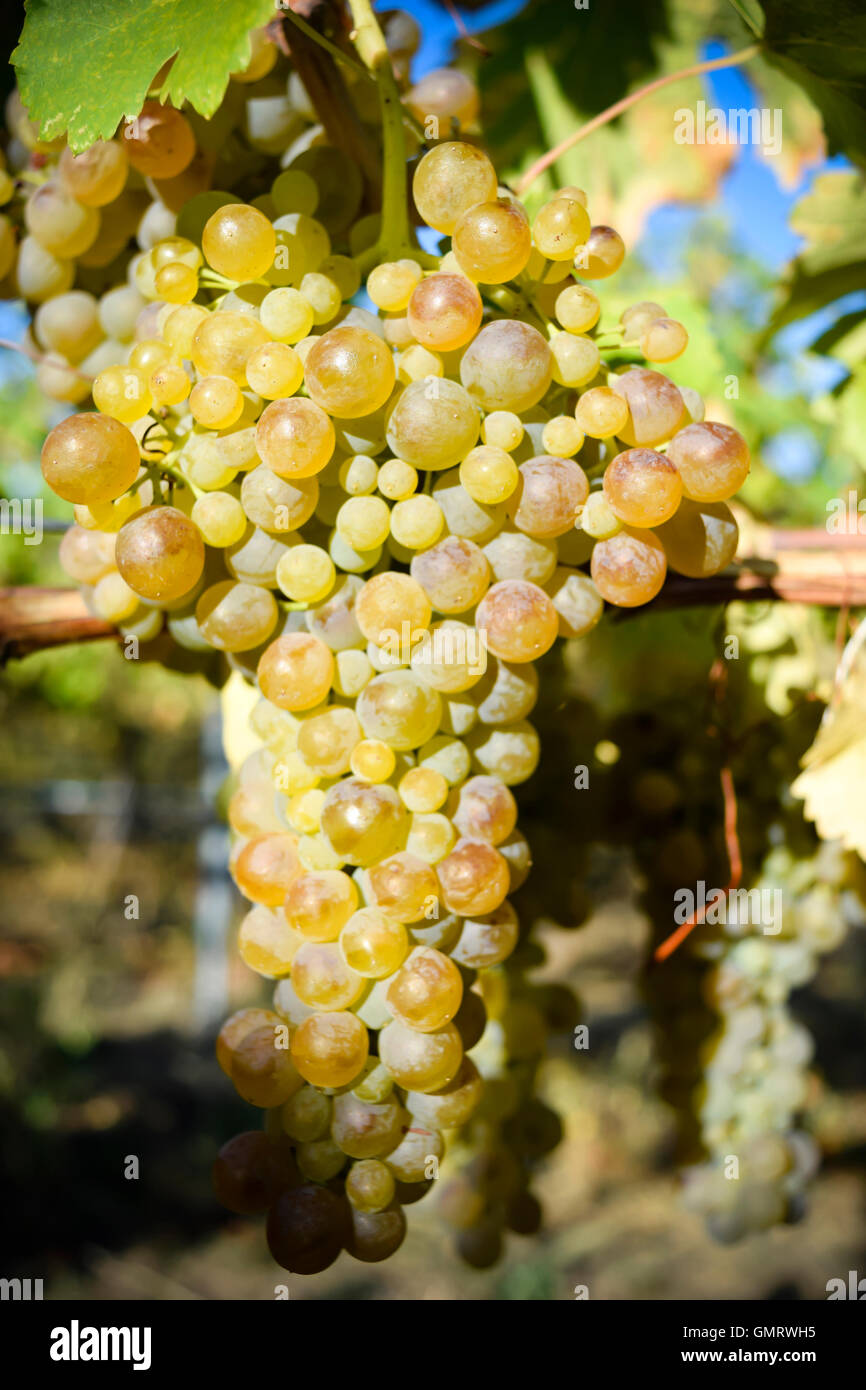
(712,460)
(266,942)
(286,315)
(518,620)
(655,407)
(97,175)
(576,359)
(363,1129)
(235,617)
(396,480)
(399,709)
(433,424)
(159,142)
(322,978)
(423,789)
(216,402)
(295,438)
(372,760)
(402,886)
(416,522)
(473,878)
(306,573)
(373,943)
(486,810)
(489,474)
(160,553)
(364,822)
(220,518)
(326,741)
(319,904)
(449,180)
(295,672)
(239,242)
(508,366)
(274,370)
(350,372)
(486,940)
(577,308)
(453,574)
(123,393)
(548,496)
(389,600)
(222,342)
(663,340)
(263,1073)
(330,1049)
(445,311)
(643,487)
(700,539)
(427,991)
(602,255)
(629,568)
(390,284)
(176,283)
(420,1061)
(370,1185)
(236,1027)
(560,227)
(444,94)
(492,241)
(90,458)
(598,518)
(265,868)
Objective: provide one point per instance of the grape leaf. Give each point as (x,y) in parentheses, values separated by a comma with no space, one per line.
(83,66)
(834,776)
(823,48)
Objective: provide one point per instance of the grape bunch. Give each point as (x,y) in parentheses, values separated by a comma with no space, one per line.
(374,512)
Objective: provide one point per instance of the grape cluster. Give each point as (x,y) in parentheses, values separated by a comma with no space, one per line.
(377,516)
(755,1065)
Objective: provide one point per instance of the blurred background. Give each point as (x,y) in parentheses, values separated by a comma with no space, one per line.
(117,953)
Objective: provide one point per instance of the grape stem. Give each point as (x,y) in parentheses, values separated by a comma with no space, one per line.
(537,169)
(40,357)
(394,235)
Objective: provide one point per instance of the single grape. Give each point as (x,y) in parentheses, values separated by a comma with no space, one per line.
(576,600)
(349,372)
(97,175)
(399,709)
(249,1173)
(576,359)
(370,1185)
(90,458)
(433,424)
(655,407)
(700,539)
(454,574)
(629,568)
(508,366)
(363,822)
(266,867)
(712,460)
(577,308)
(562,436)
(307,1228)
(601,412)
(663,340)
(449,180)
(420,1061)
(266,942)
(487,940)
(444,94)
(274,370)
(262,1071)
(548,495)
(637,317)
(643,487)
(222,342)
(417,522)
(473,878)
(602,255)
(505,693)
(216,402)
(492,241)
(560,227)
(517,619)
(445,312)
(295,672)
(159,142)
(386,602)
(455,1103)
(160,553)
(372,760)
(220,519)
(60,224)
(236,617)
(330,1049)
(295,438)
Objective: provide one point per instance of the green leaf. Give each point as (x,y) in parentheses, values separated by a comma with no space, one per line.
(823,48)
(84,66)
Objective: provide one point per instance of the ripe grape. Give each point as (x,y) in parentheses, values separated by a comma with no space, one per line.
(602,255)
(444,311)
(509,752)
(159,142)
(455,1103)
(518,620)
(363,821)
(322,978)
(399,709)
(433,424)
(508,366)
(374,943)
(426,992)
(576,359)
(90,458)
(601,412)
(700,539)
(450,179)
(326,741)
(349,372)
(629,568)
(502,429)
(60,224)
(160,553)
(473,877)
(560,227)
(420,1061)
(266,942)
(262,1072)
(372,760)
(712,460)
(453,574)
(295,438)
(236,617)
(295,671)
(423,789)
(643,487)
(307,1228)
(548,495)
(249,1173)
(402,887)
(97,175)
(577,308)
(505,693)
(655,407)
(492,241)
(576,599)
(663,340)
(330,1049)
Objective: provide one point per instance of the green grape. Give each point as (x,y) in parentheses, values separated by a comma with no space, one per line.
(433,424)
(449,180)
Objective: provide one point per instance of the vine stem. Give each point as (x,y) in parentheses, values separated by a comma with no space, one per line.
(712,65)
(39,357)
(394,236)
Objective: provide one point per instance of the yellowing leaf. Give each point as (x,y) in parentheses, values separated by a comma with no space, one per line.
(833,783)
